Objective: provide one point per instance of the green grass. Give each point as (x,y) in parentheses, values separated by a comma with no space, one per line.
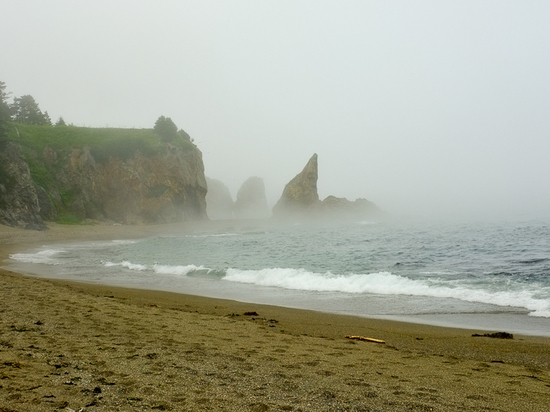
(68,219)
(67,196)
(104,143)
(40,175)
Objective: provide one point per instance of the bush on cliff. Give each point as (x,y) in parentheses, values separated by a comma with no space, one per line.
(168,131)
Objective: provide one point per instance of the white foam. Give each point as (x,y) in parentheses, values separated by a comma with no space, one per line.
(176,270)
(128,265)
(386,283)
(214,235)
(179,270)
(45,256)
(100,244)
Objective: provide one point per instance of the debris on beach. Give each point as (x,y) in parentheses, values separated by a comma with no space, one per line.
(363,338)
(496,335)
(251,314)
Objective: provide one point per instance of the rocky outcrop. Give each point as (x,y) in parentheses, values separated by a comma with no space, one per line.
(167,186)
(300,201)
(300,194)
(219,203)
(19,205)
(251,202)
(342,208)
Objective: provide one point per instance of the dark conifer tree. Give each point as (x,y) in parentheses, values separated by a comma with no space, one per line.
(4,110)
(25,110)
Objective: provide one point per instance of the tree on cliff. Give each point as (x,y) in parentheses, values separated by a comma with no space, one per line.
(166,129)
(25,110)
(4,110)
(4,106)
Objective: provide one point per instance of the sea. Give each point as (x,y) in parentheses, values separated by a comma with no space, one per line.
(492,276)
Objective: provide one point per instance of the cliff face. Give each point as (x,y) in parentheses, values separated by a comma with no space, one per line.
(168,186)
(19,206)
(251,202)
(300,193)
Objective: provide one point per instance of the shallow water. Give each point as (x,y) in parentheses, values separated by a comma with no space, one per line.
(492,276)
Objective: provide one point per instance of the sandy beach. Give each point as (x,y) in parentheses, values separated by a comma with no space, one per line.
(68,346)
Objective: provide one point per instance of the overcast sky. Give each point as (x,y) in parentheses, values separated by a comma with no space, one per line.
(423,107)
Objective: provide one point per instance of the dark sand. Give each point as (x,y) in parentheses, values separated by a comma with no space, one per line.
(69,346)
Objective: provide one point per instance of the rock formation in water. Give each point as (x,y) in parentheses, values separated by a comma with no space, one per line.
(300,200)
(342,208)
(251,202)
(300,194)
(161,187)
(219,203)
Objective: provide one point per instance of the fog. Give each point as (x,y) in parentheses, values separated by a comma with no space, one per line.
(426,108)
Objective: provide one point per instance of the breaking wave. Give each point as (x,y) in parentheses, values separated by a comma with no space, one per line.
(45,257)
(385,283)
(179,270)
(534,299)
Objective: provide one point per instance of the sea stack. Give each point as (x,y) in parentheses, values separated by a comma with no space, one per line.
(300,194)
(219,204)
(251,202)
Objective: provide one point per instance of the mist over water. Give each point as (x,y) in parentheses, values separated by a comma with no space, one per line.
(491,275)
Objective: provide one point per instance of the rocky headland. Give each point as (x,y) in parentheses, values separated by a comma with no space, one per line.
(157,182)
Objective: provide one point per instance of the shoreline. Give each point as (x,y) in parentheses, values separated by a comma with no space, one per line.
(123,340)
(13,240)
(519,322)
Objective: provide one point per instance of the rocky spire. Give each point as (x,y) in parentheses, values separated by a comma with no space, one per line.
(300,193)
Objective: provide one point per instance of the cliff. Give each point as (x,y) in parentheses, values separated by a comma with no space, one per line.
(125,176)
(19,206)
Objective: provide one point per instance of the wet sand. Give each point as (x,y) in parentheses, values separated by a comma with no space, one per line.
(69,346)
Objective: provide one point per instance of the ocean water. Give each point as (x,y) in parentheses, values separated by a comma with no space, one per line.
(479,275)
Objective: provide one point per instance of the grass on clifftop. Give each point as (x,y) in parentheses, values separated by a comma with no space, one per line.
(103,142)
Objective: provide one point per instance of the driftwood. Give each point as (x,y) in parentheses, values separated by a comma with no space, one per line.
(363,338)
(497,335)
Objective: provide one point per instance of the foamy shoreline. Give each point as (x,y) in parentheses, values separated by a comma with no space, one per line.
(514,320)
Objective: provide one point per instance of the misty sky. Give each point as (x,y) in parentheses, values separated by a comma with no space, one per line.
(424,107)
